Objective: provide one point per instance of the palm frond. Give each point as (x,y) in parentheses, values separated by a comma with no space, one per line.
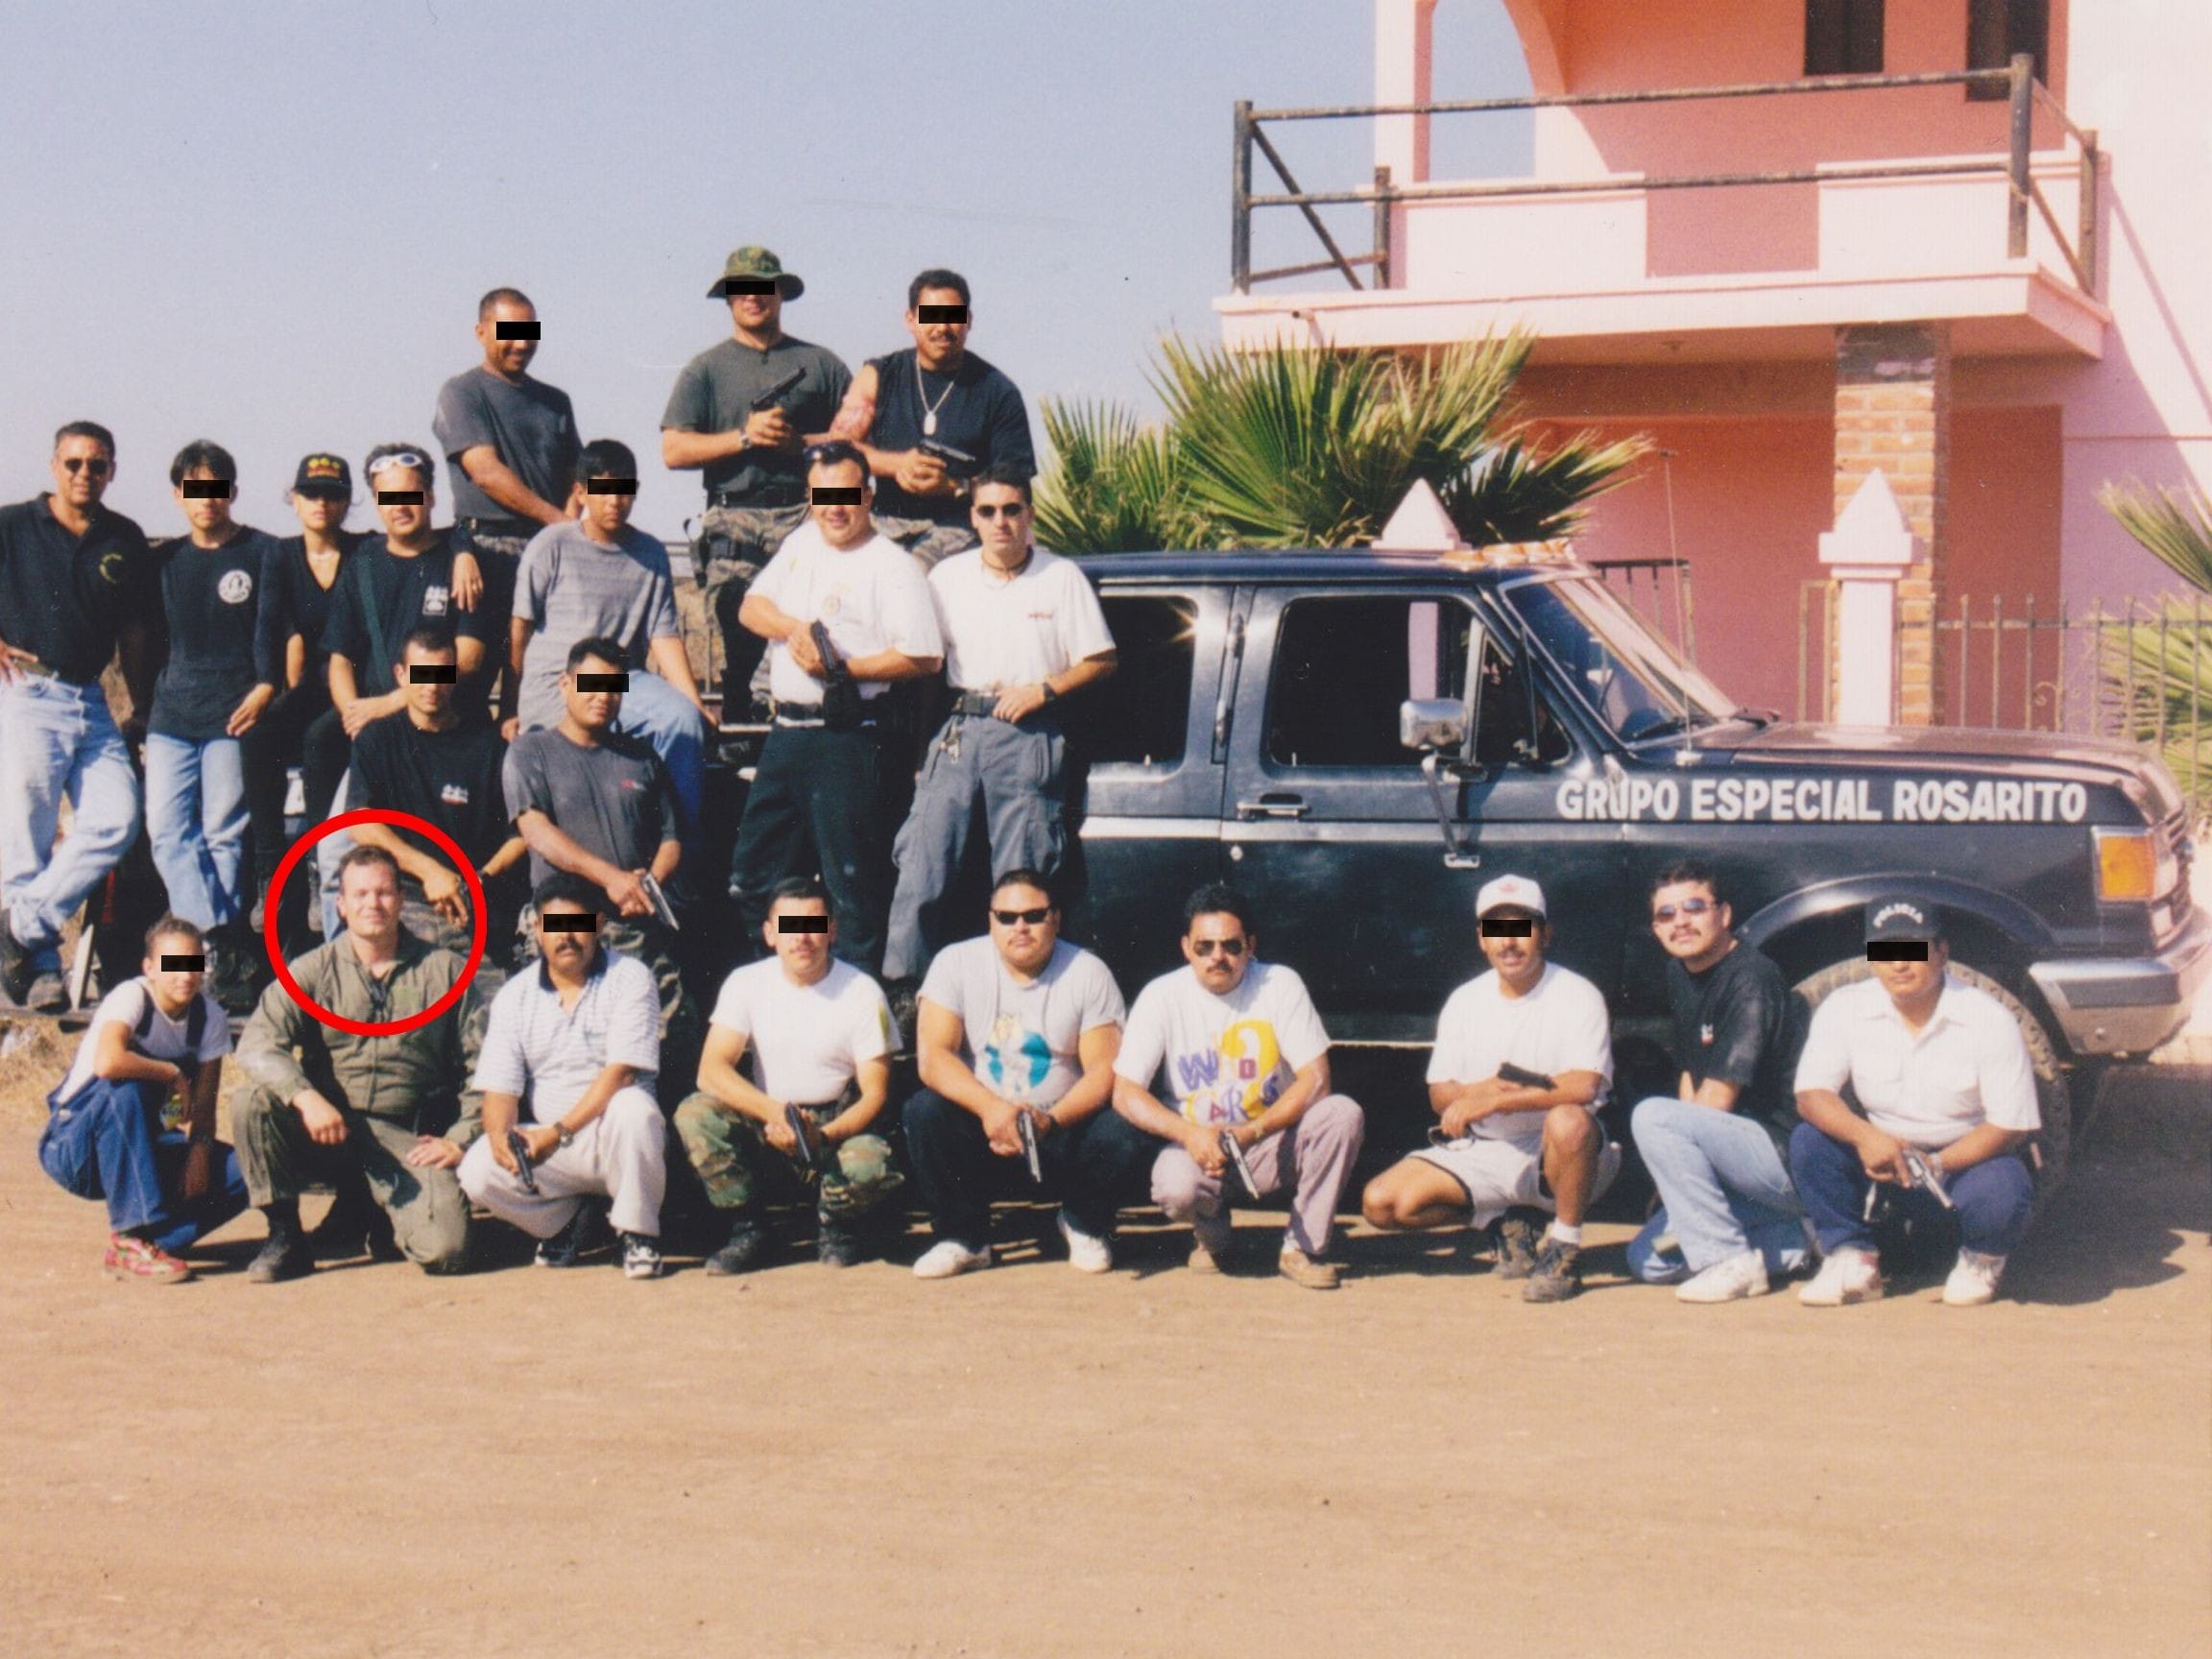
(1515,492)
(2175,525)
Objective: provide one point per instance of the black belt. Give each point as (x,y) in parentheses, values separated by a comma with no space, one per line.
(732,498)
(807,722)
(974,705)
(524,527)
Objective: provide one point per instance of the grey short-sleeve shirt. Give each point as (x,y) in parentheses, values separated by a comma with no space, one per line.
(569,588)
(614,801)
(530,425)
(714,393)
(1022,1039)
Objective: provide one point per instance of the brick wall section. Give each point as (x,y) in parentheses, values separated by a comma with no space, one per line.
(1894,415)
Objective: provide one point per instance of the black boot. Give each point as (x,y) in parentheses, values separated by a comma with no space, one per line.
(285,1256)
(748,1244)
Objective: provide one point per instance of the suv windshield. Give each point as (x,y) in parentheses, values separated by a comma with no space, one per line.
(1629,677)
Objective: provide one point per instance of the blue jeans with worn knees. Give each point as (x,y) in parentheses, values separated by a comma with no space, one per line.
(196,816)
(1721,1182)
(107,1141)
(1994,1199)
(656,712)
(57,742)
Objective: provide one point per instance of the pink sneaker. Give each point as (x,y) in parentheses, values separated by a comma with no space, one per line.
(143,1260)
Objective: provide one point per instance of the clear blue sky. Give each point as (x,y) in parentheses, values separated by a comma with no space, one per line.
(268,224)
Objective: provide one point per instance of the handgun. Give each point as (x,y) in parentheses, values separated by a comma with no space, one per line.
(659,896)
(1027,1127)
(525,1172)
(808,1151)
(774,395)
(1924,1175)
(841,701)
(1528,1080)
(1232,1150)
(955,458)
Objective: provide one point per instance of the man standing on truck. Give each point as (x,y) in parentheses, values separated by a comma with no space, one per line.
(1948,1095)
(1523,1059)
(1247,1062)
(1718,1149)
(1023,631)
(741,414)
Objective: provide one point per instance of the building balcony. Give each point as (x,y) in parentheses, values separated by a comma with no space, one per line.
(1746,263)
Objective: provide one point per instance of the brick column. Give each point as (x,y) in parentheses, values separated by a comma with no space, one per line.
(1893,415)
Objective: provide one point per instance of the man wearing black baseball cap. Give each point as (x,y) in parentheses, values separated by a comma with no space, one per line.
(1948,1091)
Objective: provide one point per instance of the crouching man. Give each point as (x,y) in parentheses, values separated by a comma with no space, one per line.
(1948,1090)
(329,1106)
(577,1042)
(1524,1055)
(1242,1047)
(160,1037)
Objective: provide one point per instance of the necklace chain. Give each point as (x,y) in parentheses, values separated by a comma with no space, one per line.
(929,409)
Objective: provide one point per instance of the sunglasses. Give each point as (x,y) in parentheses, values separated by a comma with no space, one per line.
(92,464)
(991,509)
(405,458)
(1035,918)
(1227,947)
(1688,907)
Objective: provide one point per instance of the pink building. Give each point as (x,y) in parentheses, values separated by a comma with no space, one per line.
(1895,303)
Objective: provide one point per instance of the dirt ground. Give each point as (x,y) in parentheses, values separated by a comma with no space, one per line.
(1027,1462)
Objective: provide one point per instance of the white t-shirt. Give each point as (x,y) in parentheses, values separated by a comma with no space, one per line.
(805,1043)
(1967,1066)
(1227,1058)
(164,1038)
(1022,1039)
(872,597)
(999,633)
(1558,1025)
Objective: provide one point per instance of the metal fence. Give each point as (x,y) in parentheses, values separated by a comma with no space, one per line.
(2138,669)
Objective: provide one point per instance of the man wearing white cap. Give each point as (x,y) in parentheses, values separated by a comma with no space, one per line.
(1523,1058)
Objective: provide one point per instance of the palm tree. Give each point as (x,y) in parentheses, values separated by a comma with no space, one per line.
(2166,663)
(1289,447)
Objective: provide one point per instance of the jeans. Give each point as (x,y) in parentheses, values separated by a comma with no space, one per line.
(107,1141)
(1722,1182)
(1994,1198)
(196,818)
(1093,1169)
(664,717)
(59,742)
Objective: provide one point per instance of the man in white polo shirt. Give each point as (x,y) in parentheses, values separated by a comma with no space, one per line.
(1948,1095)
(820,1035)
(1023,632)
(1523,1056)
(817,797)
(569,1065)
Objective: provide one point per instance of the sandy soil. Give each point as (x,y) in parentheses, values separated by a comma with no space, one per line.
(1026,1462)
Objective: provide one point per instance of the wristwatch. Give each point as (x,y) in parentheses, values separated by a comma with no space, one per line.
(565,1135)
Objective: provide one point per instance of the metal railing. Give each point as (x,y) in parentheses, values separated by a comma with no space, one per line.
(2139,669)
(2023,91)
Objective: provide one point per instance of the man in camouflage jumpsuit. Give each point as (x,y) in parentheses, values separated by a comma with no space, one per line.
(821,1035)
(742,414)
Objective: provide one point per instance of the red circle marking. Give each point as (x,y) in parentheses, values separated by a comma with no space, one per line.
(399,821)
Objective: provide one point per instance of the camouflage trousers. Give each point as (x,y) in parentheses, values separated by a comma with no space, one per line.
(930,541)
(733,546)
(733,1158)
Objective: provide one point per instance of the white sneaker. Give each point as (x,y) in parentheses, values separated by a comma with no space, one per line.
(1730,1279)
(1974,1280)
(1087,1252)
(949,1258)
(1848,1276)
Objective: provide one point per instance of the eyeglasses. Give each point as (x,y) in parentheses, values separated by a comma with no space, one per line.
(1227,947)
(991,509)
(1688,907)
(95,465)
(405,458)
(1035,918)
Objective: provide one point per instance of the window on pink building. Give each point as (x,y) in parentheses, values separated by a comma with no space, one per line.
(1842,36)
(1996,30)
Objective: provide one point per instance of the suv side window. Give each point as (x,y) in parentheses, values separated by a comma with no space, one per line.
(1344,664)
(1501,733)
(1140,714)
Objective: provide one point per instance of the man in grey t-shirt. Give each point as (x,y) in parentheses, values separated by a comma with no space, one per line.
(1019,1029)
(739,417)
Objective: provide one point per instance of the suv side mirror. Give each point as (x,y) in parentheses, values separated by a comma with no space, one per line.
(1432,724)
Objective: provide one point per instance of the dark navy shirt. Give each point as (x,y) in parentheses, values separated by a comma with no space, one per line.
(979,411)
(64,598)
(450,778)
(1739,1022)
(210,599)
(293,602)
(381,597)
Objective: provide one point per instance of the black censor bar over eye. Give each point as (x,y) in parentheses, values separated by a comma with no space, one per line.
(802,924)
(1897,951)
(1510,928)
(561,922)
(196,964)
(398,497)
(941,313)
(206,489)
(609,486)
(836,496)
(433,674)
(602,682)
(733,287)
(514,331)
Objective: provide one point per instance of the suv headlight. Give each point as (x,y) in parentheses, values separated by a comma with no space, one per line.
(2133,866)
